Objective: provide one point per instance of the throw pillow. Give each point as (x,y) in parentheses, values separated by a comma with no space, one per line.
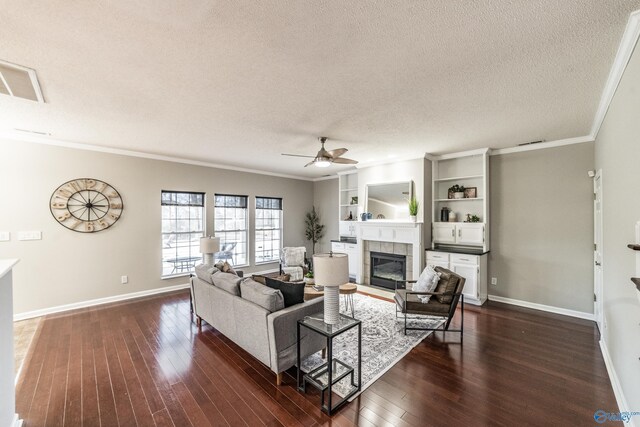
(225,267)
(293,293)
(427,282)
(262,278)
(447,283)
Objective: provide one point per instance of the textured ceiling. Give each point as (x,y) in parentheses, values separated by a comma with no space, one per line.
(239,82)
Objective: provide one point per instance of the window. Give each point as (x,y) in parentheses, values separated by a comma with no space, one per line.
(231,225)
(268,229)
(182,228)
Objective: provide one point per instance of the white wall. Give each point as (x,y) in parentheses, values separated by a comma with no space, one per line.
(67,267)
(542,226)
(618,155)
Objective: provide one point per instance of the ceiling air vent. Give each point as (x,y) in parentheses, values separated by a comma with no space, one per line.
(19,81)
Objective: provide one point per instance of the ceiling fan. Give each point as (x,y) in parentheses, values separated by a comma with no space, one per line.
(324,158)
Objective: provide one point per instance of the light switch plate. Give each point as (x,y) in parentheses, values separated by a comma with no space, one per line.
(5,236)
(29,235)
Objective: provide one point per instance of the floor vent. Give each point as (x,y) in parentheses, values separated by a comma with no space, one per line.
(19,81)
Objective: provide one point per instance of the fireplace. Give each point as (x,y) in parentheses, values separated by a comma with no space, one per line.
(387,268)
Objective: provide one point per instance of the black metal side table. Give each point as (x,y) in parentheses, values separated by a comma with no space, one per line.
(325,376)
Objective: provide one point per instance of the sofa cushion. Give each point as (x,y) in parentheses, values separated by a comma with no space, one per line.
(204,272)
(447,283)
(293,293)
(257,293)
(227,281)
(414,304)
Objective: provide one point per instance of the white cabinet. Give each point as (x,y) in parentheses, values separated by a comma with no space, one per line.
(444,232)
(470,234)
(353,251)
(348,228)
(458,233)
(472,267)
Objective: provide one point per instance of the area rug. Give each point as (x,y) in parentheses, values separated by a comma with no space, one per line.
(383,341)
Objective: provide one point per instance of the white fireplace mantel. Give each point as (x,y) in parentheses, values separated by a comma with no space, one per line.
(393,232)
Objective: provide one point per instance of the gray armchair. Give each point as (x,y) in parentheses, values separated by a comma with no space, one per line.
(443,302)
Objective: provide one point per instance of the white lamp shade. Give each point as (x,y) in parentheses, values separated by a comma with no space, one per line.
(331,269)
(209,245)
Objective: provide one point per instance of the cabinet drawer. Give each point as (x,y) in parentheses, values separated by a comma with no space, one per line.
(337,247)
(438,256)
(351,247)
(465,259)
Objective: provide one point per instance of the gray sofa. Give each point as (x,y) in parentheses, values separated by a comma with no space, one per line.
(252,316)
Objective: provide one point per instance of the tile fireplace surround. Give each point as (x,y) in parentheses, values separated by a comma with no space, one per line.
(400,238)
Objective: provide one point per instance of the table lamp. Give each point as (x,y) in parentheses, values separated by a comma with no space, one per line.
(208,246)
(331,270)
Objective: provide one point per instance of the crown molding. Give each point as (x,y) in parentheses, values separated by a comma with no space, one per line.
(15,136)
(542,145)
(363,165)
(625,50)
(326,178)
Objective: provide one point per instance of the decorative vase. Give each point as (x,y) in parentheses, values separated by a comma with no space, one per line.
(413,218)
(309,281)
(458,195)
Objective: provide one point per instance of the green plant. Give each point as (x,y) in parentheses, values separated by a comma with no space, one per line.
(474,218)
(309,275)
(313,229)
(413,206)
(456,189)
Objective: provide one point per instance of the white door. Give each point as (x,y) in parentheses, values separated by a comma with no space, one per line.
(444,233)
(470,273)
(470,234)
(597,251)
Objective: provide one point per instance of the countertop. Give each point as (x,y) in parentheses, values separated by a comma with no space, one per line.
(459,250)
(345,240)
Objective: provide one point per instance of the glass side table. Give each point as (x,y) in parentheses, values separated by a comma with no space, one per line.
(325,376)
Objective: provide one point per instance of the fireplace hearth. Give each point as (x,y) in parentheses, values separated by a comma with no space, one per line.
(386,269)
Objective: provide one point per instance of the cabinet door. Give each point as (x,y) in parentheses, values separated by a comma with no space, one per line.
(354,259)
(444,232)
(470,234)
(470,273)
(344,228)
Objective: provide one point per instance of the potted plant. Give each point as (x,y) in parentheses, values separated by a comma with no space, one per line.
(308,279)
(456,192)
(413,209)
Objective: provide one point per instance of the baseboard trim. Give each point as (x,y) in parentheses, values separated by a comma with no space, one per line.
(99,301)
(17,422)
(542,307)
(623,406)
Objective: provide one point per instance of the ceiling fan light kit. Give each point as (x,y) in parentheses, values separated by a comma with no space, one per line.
(325,158)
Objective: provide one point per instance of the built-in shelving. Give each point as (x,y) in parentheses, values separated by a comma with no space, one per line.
(471,170)
(348,189)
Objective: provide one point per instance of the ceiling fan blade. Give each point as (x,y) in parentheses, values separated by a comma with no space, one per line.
(344,161)
(298,155)
(310,163)
(337,152)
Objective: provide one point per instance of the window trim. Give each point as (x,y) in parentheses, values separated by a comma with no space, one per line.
(203,206)
(247,222)
(281,228)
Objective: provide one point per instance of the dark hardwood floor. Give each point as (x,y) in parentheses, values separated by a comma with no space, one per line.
(145,363)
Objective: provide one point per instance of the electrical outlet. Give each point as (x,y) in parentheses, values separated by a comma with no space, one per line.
(124,280)
(494,281)
(5,236)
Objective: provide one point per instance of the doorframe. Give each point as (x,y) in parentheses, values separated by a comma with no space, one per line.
(598,282)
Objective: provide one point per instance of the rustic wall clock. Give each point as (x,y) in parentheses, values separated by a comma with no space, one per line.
(86,205)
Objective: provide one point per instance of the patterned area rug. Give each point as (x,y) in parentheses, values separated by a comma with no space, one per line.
(383,341)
